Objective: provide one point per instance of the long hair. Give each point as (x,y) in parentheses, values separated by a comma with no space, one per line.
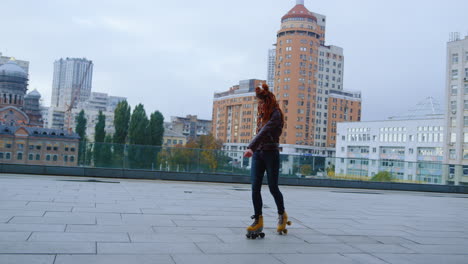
(266,105)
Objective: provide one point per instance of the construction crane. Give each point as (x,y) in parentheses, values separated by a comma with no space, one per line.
(76,93)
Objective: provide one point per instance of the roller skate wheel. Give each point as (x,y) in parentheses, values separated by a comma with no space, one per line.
(285,231)
(262,235)
(288,223)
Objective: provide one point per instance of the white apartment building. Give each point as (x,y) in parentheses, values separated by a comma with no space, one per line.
(69,75)
(57,118)
(456,114)
(271,69)
(409,146)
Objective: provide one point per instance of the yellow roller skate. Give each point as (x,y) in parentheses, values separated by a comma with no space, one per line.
(282,222)
(256,228)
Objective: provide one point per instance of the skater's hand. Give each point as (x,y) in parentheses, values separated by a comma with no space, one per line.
(248,153)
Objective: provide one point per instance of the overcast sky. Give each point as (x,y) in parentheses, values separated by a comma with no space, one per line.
(173,55)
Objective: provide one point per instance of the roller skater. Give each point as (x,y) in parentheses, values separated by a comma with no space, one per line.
(256,228)
(282,222)
(264,149)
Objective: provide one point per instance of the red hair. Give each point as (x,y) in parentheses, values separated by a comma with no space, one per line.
(266,105)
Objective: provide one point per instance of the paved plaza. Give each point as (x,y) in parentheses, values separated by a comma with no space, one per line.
(63,220)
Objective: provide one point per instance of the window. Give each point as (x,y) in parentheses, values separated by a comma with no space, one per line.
(453,137)
(55,148)
(452,154)
(465,105)
(7,155)
(465,153)
(453,106)
(72,158)
(47,157)
(454,74)
(20,146)
(466,88)
(31,146)
(455,58)
(453,121)
(55,158)
(465,170)
(454,89)
(31,156)
(65,158)
(38,157)
(465,120)
(38,147)
(7,145)
(465,137)
(1,155)
(48,147)
(19,156)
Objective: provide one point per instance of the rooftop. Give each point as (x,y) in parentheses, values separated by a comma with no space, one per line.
(62,220)
(428,108)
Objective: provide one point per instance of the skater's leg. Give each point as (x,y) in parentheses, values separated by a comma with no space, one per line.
(257,172)
(272,161)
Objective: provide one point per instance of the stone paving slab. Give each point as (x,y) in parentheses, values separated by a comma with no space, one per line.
(79,237)
(47,248)
(58,220)
(29,259)
(114,259)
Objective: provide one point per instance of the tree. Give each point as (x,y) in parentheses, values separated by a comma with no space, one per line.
(99,137)
(106,159)
(81,122)
(138,135)
(382,176)
(121,122)
(306,169)
(80,129)
(156,129)
(137,130)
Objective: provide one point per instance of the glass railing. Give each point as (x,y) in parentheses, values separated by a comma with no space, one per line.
(181,159)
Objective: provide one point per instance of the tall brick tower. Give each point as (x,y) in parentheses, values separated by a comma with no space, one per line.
(307,75)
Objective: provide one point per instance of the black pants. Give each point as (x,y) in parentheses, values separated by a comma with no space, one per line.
(266,161)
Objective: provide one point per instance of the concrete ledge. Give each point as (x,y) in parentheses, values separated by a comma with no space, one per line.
(223,178)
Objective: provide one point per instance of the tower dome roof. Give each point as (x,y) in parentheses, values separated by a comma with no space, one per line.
(299,11)
(12,68)
(33,94)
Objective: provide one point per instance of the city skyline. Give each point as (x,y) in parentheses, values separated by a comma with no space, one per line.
(389,51)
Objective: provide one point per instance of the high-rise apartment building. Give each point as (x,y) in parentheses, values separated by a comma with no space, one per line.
(235,113)
(271,69)
(72,79)
(308,74)
(456,138)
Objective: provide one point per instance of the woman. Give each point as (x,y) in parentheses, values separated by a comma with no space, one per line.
(265,151)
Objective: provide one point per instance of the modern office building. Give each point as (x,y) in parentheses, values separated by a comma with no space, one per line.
(456,91)
(308,74)
(72,80)
(409,145)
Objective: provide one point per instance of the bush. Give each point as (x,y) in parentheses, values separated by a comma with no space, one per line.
(382,176)
(306,169)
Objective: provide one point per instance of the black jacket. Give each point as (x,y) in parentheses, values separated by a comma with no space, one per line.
(268,136)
